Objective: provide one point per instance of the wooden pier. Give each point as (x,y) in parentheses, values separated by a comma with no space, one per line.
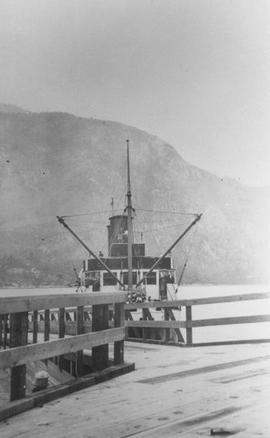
(194,392)
(173,392)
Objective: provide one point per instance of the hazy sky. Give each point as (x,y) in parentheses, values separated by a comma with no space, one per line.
(194,72)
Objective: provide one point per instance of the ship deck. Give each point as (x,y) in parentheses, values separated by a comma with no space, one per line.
(173,392)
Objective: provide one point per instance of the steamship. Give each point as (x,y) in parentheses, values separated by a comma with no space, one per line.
(156,285)
(126,266)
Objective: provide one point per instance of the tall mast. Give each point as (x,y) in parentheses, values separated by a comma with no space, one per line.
(129,215)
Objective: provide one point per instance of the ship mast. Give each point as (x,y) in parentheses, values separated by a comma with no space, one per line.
(130,228)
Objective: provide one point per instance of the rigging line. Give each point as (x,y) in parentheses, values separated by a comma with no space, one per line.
(183,270)
(155,218)
(89,214)
(167,211)
(171,220)
(68,260)
(156,240)
(163,228)
(157,227)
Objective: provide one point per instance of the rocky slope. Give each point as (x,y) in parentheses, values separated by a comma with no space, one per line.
(56,163)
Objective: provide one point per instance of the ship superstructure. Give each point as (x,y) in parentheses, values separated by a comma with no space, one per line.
(126,266)
(154,284)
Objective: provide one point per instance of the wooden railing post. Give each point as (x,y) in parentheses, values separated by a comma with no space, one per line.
(1,330)
(166,330)
(46,325)
(189,325)
(79,330)
(119,321)
(5,328)
(35,326)
(144,330)
(61,322)
(18,337)
(100,321)
(61,331)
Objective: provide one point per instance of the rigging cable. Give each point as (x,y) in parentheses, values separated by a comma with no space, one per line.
(167,211)
(195,230)
(89,214)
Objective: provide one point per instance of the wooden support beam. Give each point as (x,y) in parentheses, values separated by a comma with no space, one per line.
(40,302)
(148,314)
(35,326)
(18,337)
(119,321)
(128,315)
(144,330)
(61,322)
(1,330)
(46,324)
(33,352)
(61,332)
(177,330)
(80,331)
(189,325)
(153,304)
(166,330)
(5,328)
(87,315)
(100,321)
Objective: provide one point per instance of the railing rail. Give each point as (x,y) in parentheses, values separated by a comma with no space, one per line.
(40,302)
(17,349)
(199,301)
(147,320)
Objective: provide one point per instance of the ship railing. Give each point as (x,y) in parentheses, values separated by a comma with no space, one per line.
(20,348)
(148,326)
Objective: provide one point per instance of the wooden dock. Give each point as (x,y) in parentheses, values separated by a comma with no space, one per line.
(173,392)
(198,391)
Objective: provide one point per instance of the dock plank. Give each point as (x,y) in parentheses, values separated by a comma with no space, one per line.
(126,407)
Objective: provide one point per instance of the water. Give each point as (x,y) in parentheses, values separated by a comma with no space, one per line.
(201,334)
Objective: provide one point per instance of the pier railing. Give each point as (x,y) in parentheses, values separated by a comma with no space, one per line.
(20,347)
(150,326)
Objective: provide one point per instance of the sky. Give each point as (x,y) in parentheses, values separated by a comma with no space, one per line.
(194,72)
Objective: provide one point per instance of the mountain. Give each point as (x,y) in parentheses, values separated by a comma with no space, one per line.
(58,164)
(13,109)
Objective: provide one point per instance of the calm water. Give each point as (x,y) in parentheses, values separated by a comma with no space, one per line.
(203,334)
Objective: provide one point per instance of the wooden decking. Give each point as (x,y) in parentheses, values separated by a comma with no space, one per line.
(173,392)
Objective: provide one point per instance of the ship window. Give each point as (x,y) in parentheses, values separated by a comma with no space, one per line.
(108,280)
(134,277)
(151,278)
